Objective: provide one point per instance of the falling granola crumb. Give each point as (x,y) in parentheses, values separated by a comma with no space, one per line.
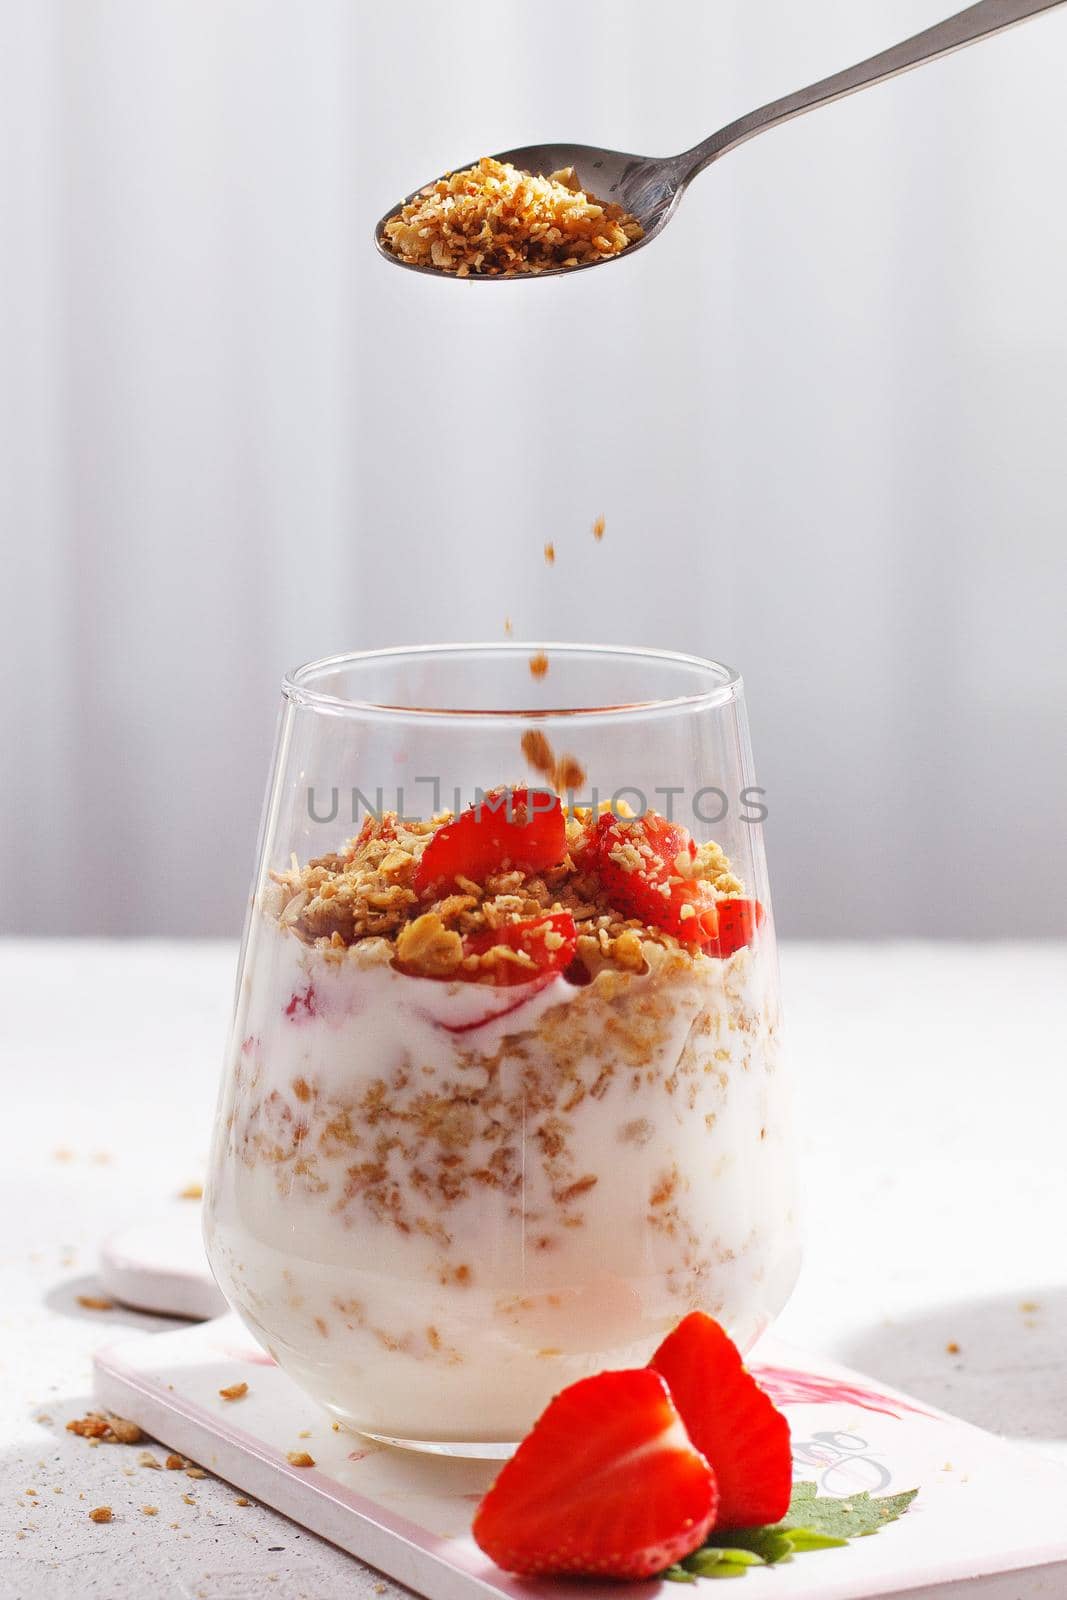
(952,1348)
(538,752)
(538,665)
(63,1154)
(299,1458)
(1028,1307)
(508,626)
(150,1511)
(550,553)
(598,529)
(192,1191)
(100,1514)
(234,1391)
(569,774)
(95,1302)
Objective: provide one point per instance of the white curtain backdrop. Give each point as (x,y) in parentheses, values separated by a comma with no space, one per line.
(825,418)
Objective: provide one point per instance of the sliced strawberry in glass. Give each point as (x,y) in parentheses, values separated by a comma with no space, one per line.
(491,1005)
(637,860)
(376,827)
(547,944)
(739,921)
(513,828)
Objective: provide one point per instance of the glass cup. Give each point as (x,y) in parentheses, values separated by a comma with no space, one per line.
(503,1099)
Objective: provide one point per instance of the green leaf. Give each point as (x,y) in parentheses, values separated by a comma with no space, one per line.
(704,1561)
(802,1492)
(806,1539)
(813,1522)
(842,1518)
(767,1543)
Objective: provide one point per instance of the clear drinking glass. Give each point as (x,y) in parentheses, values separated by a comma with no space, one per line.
(496,1118)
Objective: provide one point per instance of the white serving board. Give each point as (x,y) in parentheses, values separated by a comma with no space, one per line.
(985,1507)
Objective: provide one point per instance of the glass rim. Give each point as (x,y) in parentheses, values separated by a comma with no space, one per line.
(725,682)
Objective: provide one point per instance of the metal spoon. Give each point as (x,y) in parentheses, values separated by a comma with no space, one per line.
(650,187)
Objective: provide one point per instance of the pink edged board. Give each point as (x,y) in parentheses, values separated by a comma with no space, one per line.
(990,1519)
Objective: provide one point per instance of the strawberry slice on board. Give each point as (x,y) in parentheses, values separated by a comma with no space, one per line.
(637,862)
(730,1420)
(607,1484)
(739,922)
(515,828)
(543,946)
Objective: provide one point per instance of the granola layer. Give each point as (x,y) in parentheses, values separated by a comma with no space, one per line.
(369,891)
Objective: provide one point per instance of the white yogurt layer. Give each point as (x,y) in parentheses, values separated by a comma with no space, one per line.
(437,1204)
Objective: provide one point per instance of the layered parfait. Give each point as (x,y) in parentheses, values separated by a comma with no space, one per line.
(504,1105)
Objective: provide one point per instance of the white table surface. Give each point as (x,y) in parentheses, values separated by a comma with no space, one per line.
(931,1088)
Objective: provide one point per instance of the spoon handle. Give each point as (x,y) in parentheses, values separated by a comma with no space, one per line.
(977,22)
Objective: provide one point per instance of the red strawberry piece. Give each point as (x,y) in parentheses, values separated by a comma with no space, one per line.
(738,923)
(730,1420)
(606,1485)
(548,942)
(376,827)
(510,827)
(472,1024)
(636,860)
(302,1004)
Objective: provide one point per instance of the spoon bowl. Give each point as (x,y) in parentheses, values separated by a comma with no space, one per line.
(649,187)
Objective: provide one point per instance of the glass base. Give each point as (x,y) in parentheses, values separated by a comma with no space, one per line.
(466,1450)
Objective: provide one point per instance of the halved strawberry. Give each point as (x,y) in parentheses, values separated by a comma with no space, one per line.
(606,1485)
(548,942)
(513,827)
(730,1419)
(739,921)
(636,860)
